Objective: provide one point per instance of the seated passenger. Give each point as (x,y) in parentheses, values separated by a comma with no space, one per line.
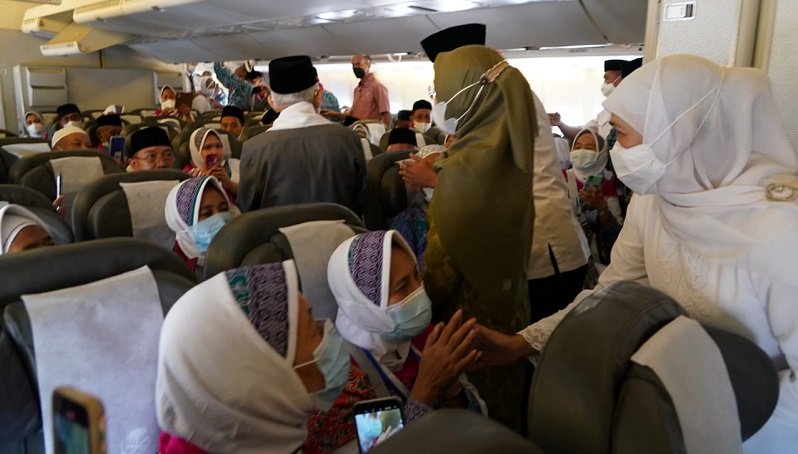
(422,123)
(150,149)
(196,209)
(34,125)
(68,114)
(21,230)
(303,157)
(169,107)
(401,139)
(232,121)
(107,126)
(70,138)
(412,221)
(242,364)
(383,310)
(210,158)
(593,196)
(403,119)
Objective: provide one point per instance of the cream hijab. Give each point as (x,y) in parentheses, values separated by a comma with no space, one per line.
(14,218)
(603,155)
(226,380)
(359,276)
(197,141)
(719,130)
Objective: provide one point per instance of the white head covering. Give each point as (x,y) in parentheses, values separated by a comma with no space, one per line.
(601,159)
(14,218)
(164,88)
(66,131)
(182,210)
(720,131)
(359,277)
(226,379)
(35,114)
(197,141)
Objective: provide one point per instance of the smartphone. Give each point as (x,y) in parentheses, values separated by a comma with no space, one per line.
(593,181)
(58,186)
(212,160)
(78,422)
(377,420)
(117,147)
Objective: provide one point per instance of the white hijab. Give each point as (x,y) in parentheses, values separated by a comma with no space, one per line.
(197,141)
(359,276)
(720,131)
(601,160)
(226,379)
(183,207)
(14,218)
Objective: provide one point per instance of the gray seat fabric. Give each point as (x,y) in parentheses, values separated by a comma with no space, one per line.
(67,266)
(40,206)
(8,159)
(251,131)
(35,172)
(100,209)
(587,396)
(386,194)
(456,431)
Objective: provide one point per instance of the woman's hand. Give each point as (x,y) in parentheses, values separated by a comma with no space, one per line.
(58,204)
(418,173)
(498,348)
(594,198)
(448,353)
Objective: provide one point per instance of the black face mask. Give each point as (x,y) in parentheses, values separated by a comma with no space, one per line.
(359,72)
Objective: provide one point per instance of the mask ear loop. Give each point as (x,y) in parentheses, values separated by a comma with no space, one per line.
(487,77)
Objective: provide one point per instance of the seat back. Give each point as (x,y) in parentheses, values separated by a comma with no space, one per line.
(183,152)
(40,206)
(594,390)
(102,209)
(386,193)
(13,148)
(36,171)
(456,430)
(272,235)
(67,266)
(252,131)
(369,129)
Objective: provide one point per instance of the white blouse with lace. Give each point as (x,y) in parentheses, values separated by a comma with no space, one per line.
(719,293)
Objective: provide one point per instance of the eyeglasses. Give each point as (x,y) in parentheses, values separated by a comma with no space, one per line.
(153,157)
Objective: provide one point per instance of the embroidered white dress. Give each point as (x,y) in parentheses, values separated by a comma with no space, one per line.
(723,294)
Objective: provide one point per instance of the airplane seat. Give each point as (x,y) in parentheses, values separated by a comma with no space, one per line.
(77,168)
(20,414)
(253,130)
(183,152)
(92,114)
(210,114)
(621,372)
(91,129)
(174,123)
(386,193)
(369,129)
(307,233)
(13,148)
(5,133)
(128,130)
(456,430)
(130,118)
(146,113)
(126,205)
(40,206)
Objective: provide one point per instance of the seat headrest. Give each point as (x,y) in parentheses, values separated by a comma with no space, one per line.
(41,207)
(100,209)
(34,172)
(386,193)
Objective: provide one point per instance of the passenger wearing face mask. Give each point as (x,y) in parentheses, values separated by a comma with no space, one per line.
(481,214)
(402,134)
(614,72)
(422,123)
(70,138)
(370,99)
(196,209)
(34,125)
(303,157)
(107,126)
(68,115)
(385,314)
(210,157)
(593,196)
(239,89)
(170,108)
(242,364)
(203,100)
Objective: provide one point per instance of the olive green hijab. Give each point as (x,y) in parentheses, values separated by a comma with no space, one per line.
(482,208)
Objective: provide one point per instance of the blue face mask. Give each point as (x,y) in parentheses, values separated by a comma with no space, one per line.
(204,231)
(411,316)
(332,359)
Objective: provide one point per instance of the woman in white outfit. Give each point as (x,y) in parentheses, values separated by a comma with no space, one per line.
(714,222)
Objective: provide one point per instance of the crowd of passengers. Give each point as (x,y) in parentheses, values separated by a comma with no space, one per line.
(686,182)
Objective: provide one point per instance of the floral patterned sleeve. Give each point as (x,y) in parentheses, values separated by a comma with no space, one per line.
(414,409)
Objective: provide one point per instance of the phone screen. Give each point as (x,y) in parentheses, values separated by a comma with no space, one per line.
(117,147)
(594,181)
(378,423)
(58,185)
(71,428)
(212,160)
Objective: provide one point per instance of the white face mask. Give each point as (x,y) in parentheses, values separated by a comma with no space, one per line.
(637,167)
(583,159)
(168,104)
(438,113)
(35,129)
(421,128)
(608,88)
(428,193)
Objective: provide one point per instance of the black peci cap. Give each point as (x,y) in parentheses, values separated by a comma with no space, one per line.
(422,104)
(153,136)
(109,120)
(402,135)
(629,67)
(613,65)
(291,74)
(451,38)
(233,111)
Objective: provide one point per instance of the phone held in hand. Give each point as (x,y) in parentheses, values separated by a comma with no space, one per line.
(377,420)
(117,148)
(58,186)
(212,160)
(593,181)
(78,422)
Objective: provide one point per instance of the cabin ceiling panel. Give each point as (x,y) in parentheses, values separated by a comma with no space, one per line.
(177,51)
(382,36)
(622,21)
